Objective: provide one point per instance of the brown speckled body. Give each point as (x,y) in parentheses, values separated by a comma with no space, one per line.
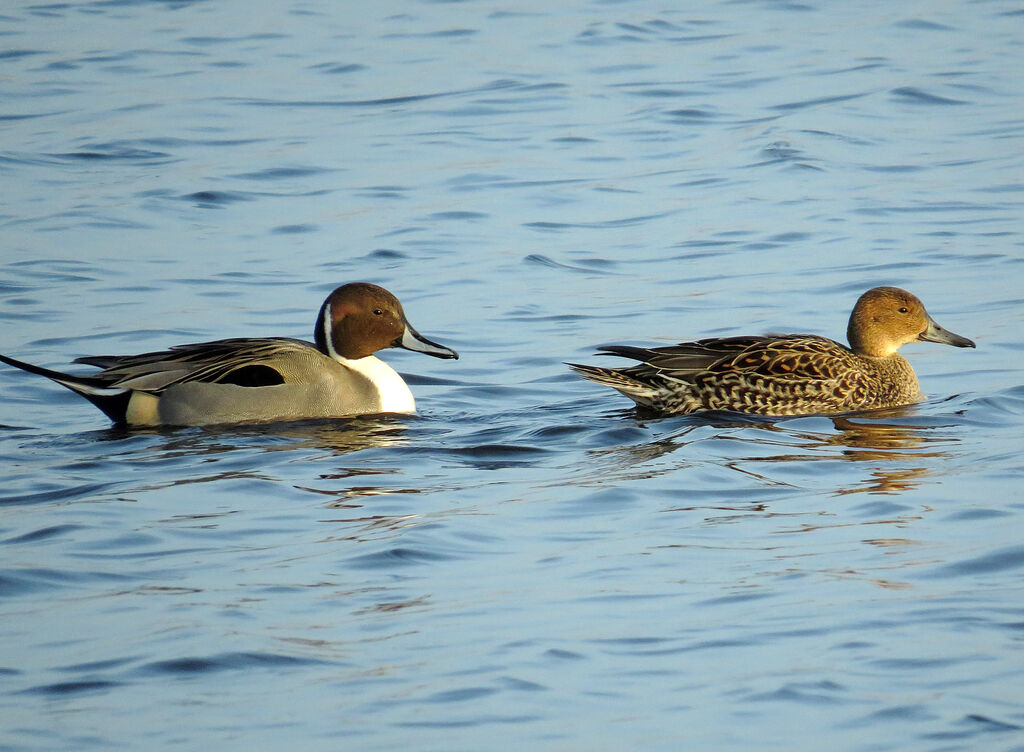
(796,374)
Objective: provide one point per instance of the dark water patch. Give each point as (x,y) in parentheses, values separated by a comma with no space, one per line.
(337,68)
(18,54)
(804,693)
(498,456)
(972,515)
(635,641)
(893,168)
(117,152)
(476,720)
(27,116)
(790,237)
(225,662)
(559,654)
(95,665)
(1005,559)
(442,34)
(384,191)
(692,115)
(1014,187)
(645,90)
(588,266)
(215,199)
(385,254)
(723,644)
(893,713)
(973,725)
(138,555)
(282,173)
(42,534)
(782,152)
(804,104)
(557,434)
(483,182)
(573,140)
(61,689)
(399,556)
(209,41)
(461,695)
(608,224)
(904,665)
(36,579)
(913,95)
(294,229)
(458,215)
(344,103)
(920,24)
(417,379)
(57,495)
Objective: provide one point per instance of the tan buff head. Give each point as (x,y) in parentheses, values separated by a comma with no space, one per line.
(886,318)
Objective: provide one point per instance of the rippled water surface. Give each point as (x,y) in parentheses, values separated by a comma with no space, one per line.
(526,564)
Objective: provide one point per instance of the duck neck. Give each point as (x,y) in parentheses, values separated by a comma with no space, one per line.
(895,379)
(394,394)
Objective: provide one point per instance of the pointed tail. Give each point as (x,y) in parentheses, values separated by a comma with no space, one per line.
(112,400)
(621,380)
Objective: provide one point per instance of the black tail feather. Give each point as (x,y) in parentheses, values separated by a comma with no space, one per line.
(113,401)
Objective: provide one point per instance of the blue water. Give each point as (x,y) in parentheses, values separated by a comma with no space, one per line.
(525,564)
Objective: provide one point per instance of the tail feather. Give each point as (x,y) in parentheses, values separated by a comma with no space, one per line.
(113,401)
(620,380)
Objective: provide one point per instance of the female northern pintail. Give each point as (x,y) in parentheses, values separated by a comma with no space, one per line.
(796,374)
(262,379)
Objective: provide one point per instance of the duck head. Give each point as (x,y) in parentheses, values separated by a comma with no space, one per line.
(886,318)
(360,318)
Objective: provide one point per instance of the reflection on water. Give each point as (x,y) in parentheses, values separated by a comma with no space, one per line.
(336,436)
(907,450)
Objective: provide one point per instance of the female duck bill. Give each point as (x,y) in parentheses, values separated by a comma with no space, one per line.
(413,340)
(935,333)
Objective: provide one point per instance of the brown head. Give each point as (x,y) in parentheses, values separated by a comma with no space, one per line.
(886,318)
(360,318)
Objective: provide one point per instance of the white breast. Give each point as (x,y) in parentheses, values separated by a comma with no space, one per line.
(395,396)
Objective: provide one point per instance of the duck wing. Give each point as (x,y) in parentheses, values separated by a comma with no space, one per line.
(800,356)
(246,361)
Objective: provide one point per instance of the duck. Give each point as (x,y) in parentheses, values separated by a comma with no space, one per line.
(261,379)
(781,375)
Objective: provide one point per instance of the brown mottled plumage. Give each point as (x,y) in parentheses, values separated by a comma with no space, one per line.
(795,374)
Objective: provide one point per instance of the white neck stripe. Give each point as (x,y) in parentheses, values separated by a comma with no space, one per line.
(325,325)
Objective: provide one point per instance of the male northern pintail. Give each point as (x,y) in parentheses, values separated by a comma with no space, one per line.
(263,379)
(795,374)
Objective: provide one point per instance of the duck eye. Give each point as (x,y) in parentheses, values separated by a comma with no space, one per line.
(378,312)
(904,309)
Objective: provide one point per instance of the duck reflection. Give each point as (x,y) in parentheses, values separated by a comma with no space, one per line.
(901,447)
(209,454)
(334,435)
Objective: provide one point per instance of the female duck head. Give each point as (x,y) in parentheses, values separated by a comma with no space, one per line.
(886,318)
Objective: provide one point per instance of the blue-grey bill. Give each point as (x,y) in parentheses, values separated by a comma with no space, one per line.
(935,333)
(413,340)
